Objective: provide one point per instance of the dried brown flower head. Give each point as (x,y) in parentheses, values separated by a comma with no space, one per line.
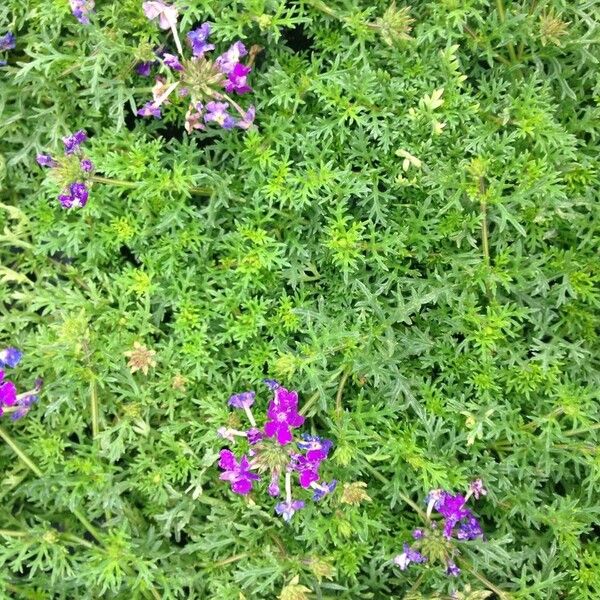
(294,591)
(140,358)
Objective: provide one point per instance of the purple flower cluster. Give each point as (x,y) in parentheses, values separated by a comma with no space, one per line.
(73,170)
(81,10)
(17,405)
(206,83)
(7,42)
(459,524)
(274,450)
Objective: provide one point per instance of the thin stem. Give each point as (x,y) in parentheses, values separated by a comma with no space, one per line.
(584,430)
(250,416)
(110,181)
(485,243)
(177,40)
(24,458)
(288,487)
(94,409)
(501,594)
(338,396)
(502,16)
(11,533)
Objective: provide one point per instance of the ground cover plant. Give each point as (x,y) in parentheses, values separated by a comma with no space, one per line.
(299,299)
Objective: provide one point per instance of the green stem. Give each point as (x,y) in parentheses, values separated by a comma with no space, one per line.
(502,595)
(24,458)
(485,242)
(110,181)
(584,430)
(94,409)
(338,396)
(502,15)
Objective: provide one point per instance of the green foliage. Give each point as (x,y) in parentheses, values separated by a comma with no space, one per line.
(417,210)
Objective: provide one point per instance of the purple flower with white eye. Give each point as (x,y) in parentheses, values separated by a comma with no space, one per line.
(198,39)
(8,41)
(283,416)
(288,509)
(323,489)
(45,160)
(72,142)
(10,357)
(144,68)
(150,110)
(237,80)
(228,60)
(81,10)
(172,62)
(237,473)
(217,112)
(408,555)
(86,165)
(165,13)
(79,194)
(243,400)
(452,569)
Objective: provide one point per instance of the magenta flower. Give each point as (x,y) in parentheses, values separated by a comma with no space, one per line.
(81,10)
(165,13)
(316,448)
(8,392)
(287,509)
(237,473)
(237,79)
(198,39)
(72,142)
(283,415)
(10,357)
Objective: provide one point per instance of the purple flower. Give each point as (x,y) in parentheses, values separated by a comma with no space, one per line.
(408,555)
(238,474)
(469,529)
(144,68)
(417,534)
(246,122)
(254,436)
(24,404)
(81,10)
(476,489)
(8,392)
(452,569)
(149,110)
(273,488)
(217,112)
(271,384)
(308,471)
(165,13)
(10,357)
(236,79)
(44,160)
(7,41)
(316,448)
(452,508)
(228,60)
(243,400)
(283,416)
(79,193)
(198,39)
(193,117)
(324,489)
(287,509)
(72,142)
(172,62)
(86,165)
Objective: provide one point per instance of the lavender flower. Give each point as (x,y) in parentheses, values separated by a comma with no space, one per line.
(248,119)
(408,555)
(45,160)
(198,39)
(283,415)
(7,41)
(217,112)
(243,400)
(254,436)
(271,384)
(287,509)
(165,13)
(323,489)
(237,473)
(228,60)
(150,110)
(10,357)
(172,62)
(81,10)
(72,142)
(87,166)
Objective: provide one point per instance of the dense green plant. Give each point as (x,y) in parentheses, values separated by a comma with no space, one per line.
(409,238)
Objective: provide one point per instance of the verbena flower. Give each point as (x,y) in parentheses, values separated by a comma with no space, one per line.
(237,473)
(288,508)
(44,160)
(10,357)
(283,416)
(8,393)
(408,555)
(243,400)
(75,197)
(172,62)
(149,110)
(87,166)
(72,142)
(8,41)
(452,569)
(323,489)
(198,40)
(217,112)
(144,68)
(166,14)
(237,80)
(82,9)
